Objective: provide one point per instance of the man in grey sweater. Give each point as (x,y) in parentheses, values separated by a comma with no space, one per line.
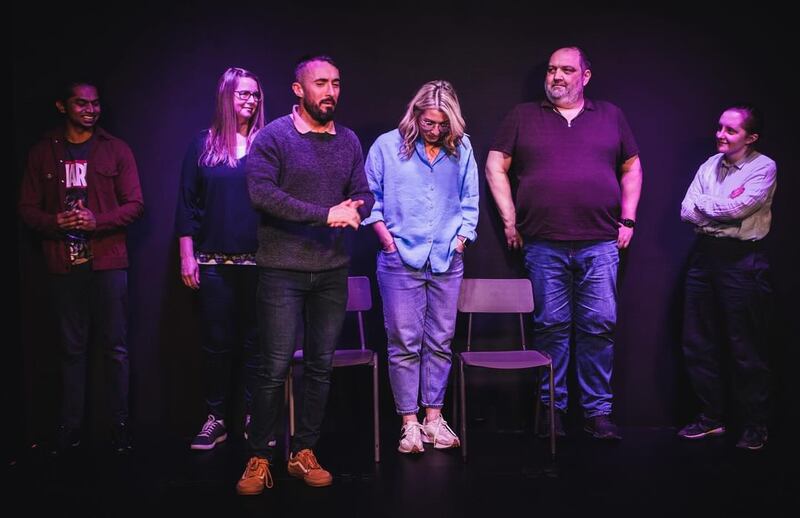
(306,176)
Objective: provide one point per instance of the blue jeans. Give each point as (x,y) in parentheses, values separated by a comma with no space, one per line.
(96,300)
(228,304)
(287,299)
(575,285)
(419,310)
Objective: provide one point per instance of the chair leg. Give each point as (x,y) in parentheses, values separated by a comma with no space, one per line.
(376,423)
(463,397)
(291,402)
(537,392)
(454,391)
(552,415)
(290,398)
(286,418)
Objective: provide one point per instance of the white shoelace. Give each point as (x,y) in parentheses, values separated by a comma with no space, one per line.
(441,423)
(209,426)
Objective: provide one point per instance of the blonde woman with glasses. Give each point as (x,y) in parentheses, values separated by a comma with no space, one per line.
(425,181)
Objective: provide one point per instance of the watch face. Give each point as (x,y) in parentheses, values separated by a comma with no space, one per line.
(628,222)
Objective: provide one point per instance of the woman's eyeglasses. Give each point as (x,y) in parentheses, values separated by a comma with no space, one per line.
(428,125)
(247,94)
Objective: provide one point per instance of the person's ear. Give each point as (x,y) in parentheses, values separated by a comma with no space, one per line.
(297,88)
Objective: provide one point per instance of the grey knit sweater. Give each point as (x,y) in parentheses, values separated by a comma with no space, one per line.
(293,180)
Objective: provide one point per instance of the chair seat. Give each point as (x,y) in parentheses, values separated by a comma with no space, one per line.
(504,359)
(345,357)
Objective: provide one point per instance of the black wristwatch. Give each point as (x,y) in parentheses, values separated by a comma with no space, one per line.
(625,222)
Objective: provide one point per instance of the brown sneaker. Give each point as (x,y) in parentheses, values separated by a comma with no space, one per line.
(303,464)
(255,478)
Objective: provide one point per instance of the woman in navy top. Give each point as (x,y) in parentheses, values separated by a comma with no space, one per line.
(216,229)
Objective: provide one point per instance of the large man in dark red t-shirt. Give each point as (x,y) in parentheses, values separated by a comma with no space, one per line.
(579,180)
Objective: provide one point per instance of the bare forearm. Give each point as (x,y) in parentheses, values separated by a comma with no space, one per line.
(631,186)
(186,246)
(497,165)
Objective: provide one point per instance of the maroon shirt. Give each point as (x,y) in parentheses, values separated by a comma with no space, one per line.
(568,185)
(114,196)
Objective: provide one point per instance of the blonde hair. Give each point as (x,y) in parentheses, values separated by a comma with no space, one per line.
(434,95)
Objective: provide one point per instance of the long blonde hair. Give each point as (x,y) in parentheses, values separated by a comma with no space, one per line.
(434,95)
(220,144)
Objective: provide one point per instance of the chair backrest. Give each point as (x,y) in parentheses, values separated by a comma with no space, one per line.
(495,296)
(359,295)
(359,299)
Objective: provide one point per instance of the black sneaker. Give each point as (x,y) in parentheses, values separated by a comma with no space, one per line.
(67,439)
(701,428)
(212,433)
(543,429)
(121,438)
(753,438)
(602,427)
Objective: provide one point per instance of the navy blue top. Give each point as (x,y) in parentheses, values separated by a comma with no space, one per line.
(214,207)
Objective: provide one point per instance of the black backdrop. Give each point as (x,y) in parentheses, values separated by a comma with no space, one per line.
(671,72)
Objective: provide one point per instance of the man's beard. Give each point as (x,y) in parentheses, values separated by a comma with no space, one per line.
(316,113)
(569,96)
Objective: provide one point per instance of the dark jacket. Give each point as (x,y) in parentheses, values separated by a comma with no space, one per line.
(114,196)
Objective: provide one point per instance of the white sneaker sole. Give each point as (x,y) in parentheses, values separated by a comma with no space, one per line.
(413,449)
(710,433)
(443,446)
(204,447)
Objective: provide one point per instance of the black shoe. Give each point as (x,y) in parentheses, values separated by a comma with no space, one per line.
(753,438)
(121,438)
(543,429)
(212,433)
(67,439)
(701,428)
(602,427)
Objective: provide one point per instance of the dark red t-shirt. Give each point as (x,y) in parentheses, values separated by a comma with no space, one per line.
(568,184)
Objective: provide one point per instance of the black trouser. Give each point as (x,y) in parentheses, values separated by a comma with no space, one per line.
(228,302)
(96,300)
(727,305)
(287,299)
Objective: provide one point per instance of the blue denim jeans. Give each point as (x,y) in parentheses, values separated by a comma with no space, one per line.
(98,301)
(419,310)
(228,305)
(286,300)
(575,286)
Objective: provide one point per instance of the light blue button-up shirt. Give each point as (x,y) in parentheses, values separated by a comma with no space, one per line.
(424,205)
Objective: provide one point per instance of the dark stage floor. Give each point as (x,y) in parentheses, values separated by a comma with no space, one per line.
(650,473)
